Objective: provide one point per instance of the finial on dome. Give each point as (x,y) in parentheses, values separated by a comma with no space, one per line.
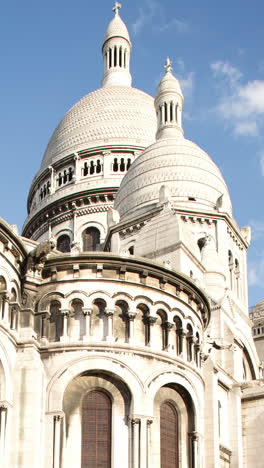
(168,104)
(117,7)
(168,65)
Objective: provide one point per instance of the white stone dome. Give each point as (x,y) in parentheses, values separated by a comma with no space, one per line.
(189,174)
(110,115)
(116,28)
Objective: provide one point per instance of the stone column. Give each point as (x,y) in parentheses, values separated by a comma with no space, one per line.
(167,328)
(149,423)
(87,315)
(197,349)
(5,307)
(194,446)
(183,334)
(162,114)
(52,179)
(44,332)
(14,316)
(77,162)
(64,313)
(57,440)
(131,317)
(190,343)
(150,321)
(3,420)
(109,313)
(135,427)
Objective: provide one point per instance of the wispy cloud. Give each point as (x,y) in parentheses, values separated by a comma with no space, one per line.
(240,105)
(256,272)
(257,229)
(187,84)
(261,161)
(225,69)
(154,8)
(145,15)
(178,25)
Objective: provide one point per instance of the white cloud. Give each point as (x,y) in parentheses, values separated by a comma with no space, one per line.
(180,26)
(249,128)
(253,277)
(261,161)
(256,272)
(146,13)
(257,229)
(187,84)
(153,8)
(240,105)
(225,69)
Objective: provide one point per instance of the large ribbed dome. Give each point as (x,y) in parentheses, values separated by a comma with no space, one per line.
(191,177)
(111,115)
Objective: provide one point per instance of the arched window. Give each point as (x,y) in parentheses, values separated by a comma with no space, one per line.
(56,323)
(2,283)
(96,430)
(169,451)
(91,239)
(64,243)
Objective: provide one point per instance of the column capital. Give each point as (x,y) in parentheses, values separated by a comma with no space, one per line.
(168,325)
(151,319)
(6,295)
(150,421)
(58,417)
(44,314)
(109,312)
(64,311)
(194,436)
(134,419)
(87,311)
(131,315)
(3,406)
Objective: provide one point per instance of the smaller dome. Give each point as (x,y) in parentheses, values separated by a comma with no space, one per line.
(193,179)
(169,83)
(117,28)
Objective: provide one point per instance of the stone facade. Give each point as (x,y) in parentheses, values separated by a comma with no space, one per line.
(128,285)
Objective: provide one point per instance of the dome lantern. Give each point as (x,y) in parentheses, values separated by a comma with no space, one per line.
(168,104)
(116,52)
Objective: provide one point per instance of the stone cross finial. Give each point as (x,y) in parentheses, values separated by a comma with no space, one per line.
(117,8)
(168,65)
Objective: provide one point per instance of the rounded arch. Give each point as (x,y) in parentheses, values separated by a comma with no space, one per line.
(195,391)
(63,242)
(112,390)
(91,239)
(102,364)
(163,313)
(162,305)
(51,296)
(103,296)
(86,225)
(78,294)
(121,296)
(3,283)
(143,300)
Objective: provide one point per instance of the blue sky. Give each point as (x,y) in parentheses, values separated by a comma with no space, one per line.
(51,57)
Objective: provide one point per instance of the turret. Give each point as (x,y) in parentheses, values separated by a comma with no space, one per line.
(116,52)
(168,104)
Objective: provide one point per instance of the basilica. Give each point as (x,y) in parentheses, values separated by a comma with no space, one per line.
(125,335)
